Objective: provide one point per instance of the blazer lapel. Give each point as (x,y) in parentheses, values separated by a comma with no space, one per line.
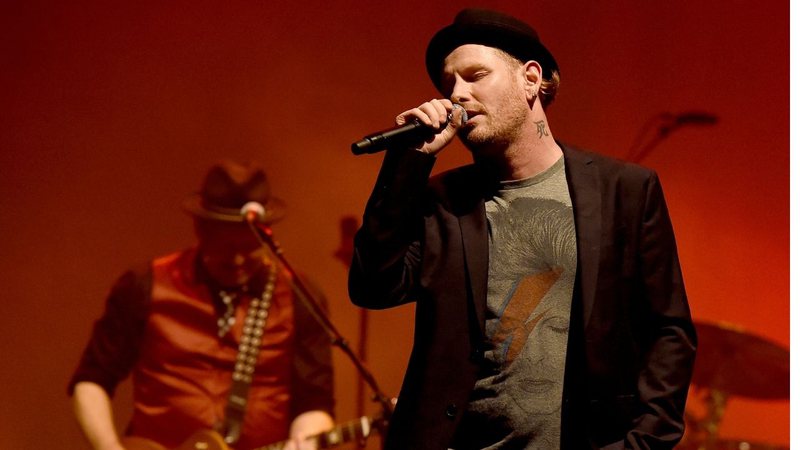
(584,187)
(471,213)
(474,238)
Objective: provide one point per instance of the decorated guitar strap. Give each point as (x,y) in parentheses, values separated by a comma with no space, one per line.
(252,332)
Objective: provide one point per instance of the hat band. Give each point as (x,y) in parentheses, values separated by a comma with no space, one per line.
(233,212)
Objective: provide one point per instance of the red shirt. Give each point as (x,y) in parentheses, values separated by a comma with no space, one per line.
(165,333)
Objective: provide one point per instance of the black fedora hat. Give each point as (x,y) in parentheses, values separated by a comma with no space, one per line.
(227,187)
(490,28)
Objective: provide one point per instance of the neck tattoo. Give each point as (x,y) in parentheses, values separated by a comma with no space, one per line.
(541,128)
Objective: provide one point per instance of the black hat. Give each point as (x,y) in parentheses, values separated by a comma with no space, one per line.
(490,28)
(227,187)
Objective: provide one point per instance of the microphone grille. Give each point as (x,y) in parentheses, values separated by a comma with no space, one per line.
(253,208)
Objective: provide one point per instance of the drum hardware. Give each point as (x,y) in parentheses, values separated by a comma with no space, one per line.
(724,353)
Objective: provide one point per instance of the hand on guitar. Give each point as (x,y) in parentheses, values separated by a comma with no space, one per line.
(305,426)
(354,430)
(299,443)
(92,406)
(115,446)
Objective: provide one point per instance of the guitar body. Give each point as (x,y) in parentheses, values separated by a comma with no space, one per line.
(354,430)
(200,440)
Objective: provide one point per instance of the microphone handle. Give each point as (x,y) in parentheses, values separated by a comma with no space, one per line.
(408,135)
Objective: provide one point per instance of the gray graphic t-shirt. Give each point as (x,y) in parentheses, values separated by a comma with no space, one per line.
(516,404)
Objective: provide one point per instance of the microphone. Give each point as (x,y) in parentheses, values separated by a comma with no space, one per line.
(253,212)
(409,135)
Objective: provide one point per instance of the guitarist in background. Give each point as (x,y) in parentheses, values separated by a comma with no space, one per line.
(177,326)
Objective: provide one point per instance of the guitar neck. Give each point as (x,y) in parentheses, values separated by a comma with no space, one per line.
(353,430)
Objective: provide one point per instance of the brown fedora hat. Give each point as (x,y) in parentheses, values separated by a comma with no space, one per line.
(227,187)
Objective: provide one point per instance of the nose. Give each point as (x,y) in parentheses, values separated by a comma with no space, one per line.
(460,92)
(239,258)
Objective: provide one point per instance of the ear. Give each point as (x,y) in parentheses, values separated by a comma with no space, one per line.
(533,78)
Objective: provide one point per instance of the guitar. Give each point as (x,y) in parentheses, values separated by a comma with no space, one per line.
(353,430)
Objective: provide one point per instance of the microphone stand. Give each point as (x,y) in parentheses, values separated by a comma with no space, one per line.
(667,123)
(639,150)
(264,236)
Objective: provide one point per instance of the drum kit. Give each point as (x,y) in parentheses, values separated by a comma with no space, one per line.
(732,362)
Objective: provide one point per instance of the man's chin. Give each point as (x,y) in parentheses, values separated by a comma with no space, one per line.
(232,280)
(466,130)
(469,136)
(473,139)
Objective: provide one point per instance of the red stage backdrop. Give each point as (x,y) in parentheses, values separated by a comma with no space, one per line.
(112,111)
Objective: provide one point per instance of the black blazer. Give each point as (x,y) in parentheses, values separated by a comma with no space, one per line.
(631,343)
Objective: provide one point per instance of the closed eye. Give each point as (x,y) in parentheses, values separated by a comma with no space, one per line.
(470,74)
(477,75)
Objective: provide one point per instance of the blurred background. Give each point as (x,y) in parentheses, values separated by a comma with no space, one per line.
(113,111)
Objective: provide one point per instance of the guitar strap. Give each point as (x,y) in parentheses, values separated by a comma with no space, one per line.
(252,332)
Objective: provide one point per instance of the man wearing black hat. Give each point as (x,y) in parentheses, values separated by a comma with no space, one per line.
(550,307)
(212,336)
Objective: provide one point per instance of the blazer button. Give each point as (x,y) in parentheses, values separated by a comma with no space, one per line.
(451,411)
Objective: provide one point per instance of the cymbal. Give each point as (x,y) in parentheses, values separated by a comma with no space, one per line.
(733,444)
(735,362)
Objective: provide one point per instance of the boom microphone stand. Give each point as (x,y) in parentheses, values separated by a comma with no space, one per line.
(660,126)
(263,233)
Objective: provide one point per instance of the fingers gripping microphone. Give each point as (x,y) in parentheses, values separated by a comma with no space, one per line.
(253,212)
(409,135)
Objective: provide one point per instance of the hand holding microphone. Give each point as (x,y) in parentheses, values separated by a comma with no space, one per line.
(428,128)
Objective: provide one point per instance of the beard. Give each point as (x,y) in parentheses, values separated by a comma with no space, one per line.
(498,127)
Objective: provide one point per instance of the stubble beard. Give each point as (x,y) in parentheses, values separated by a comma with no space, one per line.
(500,128)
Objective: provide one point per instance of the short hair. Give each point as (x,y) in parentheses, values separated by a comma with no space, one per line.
(549,87)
